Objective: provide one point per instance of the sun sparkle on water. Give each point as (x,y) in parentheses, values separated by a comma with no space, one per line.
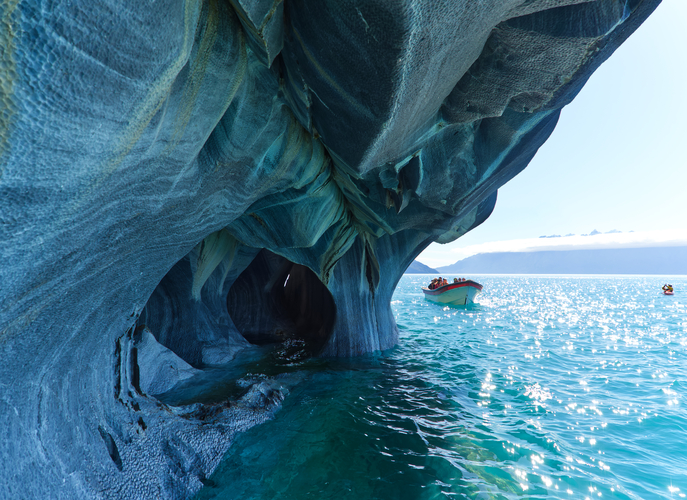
(554,387)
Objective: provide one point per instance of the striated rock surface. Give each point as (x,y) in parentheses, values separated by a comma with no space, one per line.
(180,179)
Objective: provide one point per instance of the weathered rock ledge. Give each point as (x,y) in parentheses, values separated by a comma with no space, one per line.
(182,180)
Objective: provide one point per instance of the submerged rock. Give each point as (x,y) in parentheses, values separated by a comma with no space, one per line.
(149,154)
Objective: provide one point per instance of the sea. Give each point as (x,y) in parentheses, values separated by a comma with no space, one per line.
(571,387)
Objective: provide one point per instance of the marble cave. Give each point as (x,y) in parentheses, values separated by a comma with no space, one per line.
(181,181)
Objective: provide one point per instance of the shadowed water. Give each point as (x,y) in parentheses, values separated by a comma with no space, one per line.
(555,387)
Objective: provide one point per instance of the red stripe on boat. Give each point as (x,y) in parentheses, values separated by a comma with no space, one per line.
(451,286)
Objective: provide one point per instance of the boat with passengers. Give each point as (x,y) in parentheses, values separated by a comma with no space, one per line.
(459,293)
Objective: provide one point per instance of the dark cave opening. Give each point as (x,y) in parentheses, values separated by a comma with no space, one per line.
(275,300)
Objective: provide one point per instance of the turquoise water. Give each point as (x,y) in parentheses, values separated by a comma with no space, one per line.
(556,387)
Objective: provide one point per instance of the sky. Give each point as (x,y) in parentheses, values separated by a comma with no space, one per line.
(616,160)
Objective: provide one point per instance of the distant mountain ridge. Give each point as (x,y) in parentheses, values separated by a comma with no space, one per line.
(651,260)
(419,268)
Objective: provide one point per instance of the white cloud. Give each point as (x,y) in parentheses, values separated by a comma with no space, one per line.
(441,255)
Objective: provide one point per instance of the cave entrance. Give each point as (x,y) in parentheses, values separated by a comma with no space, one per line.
(275,300)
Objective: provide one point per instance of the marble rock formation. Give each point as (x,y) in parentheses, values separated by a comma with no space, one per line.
(182,180)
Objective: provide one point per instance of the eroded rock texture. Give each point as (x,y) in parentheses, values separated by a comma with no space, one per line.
(152,151)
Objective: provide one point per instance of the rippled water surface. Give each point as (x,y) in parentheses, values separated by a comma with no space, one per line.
(556,387)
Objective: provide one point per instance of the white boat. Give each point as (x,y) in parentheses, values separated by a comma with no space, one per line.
(462,293)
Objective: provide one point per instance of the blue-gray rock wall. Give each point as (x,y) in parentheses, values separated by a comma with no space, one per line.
(149,151)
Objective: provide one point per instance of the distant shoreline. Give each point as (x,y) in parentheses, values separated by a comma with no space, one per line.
(644,261)
(575,275)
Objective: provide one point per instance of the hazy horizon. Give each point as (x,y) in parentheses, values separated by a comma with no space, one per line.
(655,261)
(636,239)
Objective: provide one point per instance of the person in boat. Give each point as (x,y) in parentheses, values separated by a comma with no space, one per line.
(444,282)
(667,288)
(455,280)
(433,284)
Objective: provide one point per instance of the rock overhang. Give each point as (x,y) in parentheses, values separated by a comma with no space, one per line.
(148,155)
